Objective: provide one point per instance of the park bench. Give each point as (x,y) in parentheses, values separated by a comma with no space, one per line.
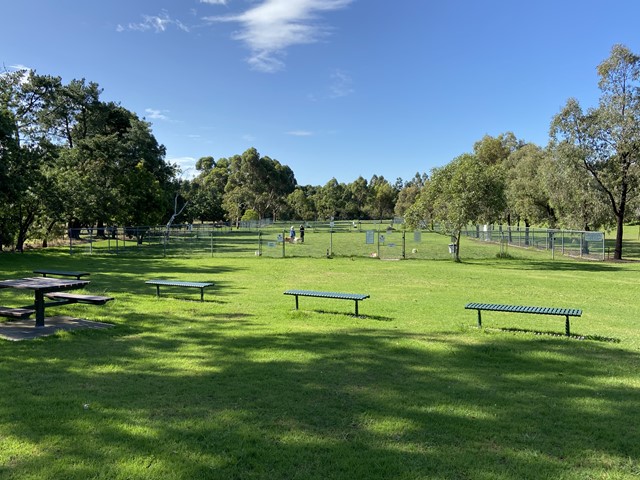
(16,312)
(64,298)
(176,283)
(492,307)
(356,297)
(62,273)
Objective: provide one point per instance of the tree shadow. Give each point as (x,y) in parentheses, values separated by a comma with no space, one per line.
(238,400)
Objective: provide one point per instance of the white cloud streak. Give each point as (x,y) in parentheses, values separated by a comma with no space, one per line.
(300,133)
(214,2)
(156,23)
(271,27)
(156,114)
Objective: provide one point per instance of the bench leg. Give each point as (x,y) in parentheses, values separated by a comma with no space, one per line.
(202,294)
(356,308)
(479,319)
(39,307)
(566,326)
(157,290)
(296,302)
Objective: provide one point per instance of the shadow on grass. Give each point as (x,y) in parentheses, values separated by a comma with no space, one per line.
(379,318)
(194,398)
(596,338)
(551,265)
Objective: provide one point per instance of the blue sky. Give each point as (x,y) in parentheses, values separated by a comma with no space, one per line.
(332,88)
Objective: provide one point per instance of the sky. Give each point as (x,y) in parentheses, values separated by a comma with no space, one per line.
(332,88)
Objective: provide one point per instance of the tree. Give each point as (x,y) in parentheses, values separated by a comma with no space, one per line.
(408,194)
(300,205)
(356,199)
(573,194)
(527,186)
(461,192)
(606,140)
(24,100)
(329,200)
(255,182)
(205,192)
(382,199)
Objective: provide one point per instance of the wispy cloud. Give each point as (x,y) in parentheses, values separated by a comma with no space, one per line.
(271,27)
(341,84)
(300,133)
(156,23)
(214,2)
(23,72)
(187,166)
(154,114)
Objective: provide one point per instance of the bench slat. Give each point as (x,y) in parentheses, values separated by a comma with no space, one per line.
(175,283)
(62,273)
(16,312)
(572,312)
(333,295)
(179,283)
(320,294)
(565,312)
(76,297)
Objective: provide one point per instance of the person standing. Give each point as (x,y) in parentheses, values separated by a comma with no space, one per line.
(292,234)
(301,233)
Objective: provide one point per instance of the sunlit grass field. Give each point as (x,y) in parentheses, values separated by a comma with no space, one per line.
(243,386)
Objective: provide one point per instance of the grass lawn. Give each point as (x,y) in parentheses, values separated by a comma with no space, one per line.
(243,386)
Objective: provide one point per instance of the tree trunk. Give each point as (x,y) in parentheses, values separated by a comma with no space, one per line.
(617,253)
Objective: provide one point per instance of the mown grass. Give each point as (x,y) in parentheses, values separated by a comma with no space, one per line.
(243,386)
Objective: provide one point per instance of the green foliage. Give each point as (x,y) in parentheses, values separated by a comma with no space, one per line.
(72,158)
(250,215)
(462,192)
(605,141)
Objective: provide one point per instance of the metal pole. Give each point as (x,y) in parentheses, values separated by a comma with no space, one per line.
(330,241)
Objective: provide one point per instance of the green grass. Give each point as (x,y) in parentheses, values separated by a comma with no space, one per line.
(242,386)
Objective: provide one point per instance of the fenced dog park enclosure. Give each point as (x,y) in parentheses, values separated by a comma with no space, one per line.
(385,239)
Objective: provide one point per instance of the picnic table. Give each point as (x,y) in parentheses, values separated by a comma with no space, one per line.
(40,287)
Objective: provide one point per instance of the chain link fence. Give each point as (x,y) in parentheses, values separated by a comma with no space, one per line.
(387,240)
(573,243)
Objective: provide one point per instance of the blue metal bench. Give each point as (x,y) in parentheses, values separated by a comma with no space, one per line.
(492,307)
(356,297)
(176,283)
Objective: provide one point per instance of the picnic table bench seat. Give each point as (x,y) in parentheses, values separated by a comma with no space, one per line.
(16,312)
(62,273)
(356,297)
(493,307)
(78,298)
(179,283)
